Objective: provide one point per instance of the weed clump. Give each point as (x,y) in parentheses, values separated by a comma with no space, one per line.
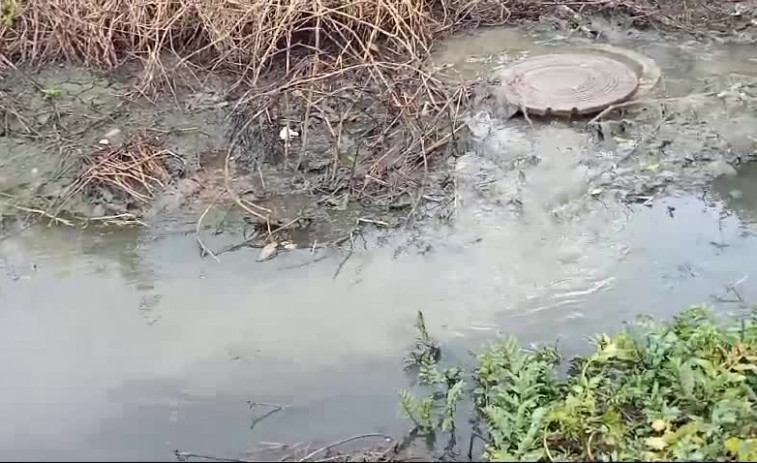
(682,390)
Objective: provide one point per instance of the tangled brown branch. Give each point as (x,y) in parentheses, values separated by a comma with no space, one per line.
(135,170)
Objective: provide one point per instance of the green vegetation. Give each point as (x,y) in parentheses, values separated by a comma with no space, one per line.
(682,390)
(51,93)
(437,411)
(9,11)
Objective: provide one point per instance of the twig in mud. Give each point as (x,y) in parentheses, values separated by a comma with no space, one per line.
(203,248)
(42,213)
(352,171)
(183,456)
(304,264)
(342,442)
(347,257)
(262,179)
(117,219)
(731,288)
(373,221)
(286,225)
(232,193)
(135,170)
(248,242)
(627,104)
(275,408)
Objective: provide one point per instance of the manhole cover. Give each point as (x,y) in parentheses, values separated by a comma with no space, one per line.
(568,84)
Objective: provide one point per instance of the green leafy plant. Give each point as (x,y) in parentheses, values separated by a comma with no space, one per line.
(436,411)
(682,390)
(9,11)
(51,93)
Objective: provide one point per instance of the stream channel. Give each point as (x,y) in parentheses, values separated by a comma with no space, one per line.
(126,344)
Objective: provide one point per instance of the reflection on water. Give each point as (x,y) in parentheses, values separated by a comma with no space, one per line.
(740,192)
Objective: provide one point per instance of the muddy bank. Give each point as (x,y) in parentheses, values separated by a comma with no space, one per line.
(691,125)
(304,139)
(63,122)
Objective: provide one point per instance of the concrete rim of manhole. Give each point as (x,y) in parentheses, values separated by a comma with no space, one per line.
(568,84)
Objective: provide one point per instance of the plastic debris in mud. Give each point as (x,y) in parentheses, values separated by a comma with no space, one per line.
(568,84)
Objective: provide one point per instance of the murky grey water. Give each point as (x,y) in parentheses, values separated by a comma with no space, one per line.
(123,345)
(119,347)
(686,64)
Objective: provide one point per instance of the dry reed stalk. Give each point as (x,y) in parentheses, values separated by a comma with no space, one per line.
(246,35)
(250,36)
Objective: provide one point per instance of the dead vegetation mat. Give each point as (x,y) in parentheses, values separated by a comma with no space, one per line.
(133,172)
(252,36)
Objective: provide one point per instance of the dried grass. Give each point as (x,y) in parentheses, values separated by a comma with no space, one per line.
(133,171)
(247,35)
(244,35)
(252,36)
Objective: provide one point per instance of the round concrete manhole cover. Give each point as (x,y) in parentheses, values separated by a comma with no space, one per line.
(567,84)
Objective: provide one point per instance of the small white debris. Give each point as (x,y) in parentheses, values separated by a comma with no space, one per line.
(565,12)
(268,251)
(104,141)
(659,425)
(656,443)
(112,134)
(290,246)
(287,134)
(597,191)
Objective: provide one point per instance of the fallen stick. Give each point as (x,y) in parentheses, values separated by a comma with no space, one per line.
(342,442)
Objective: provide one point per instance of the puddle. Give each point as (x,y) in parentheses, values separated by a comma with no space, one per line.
(125,344)
(684,65)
